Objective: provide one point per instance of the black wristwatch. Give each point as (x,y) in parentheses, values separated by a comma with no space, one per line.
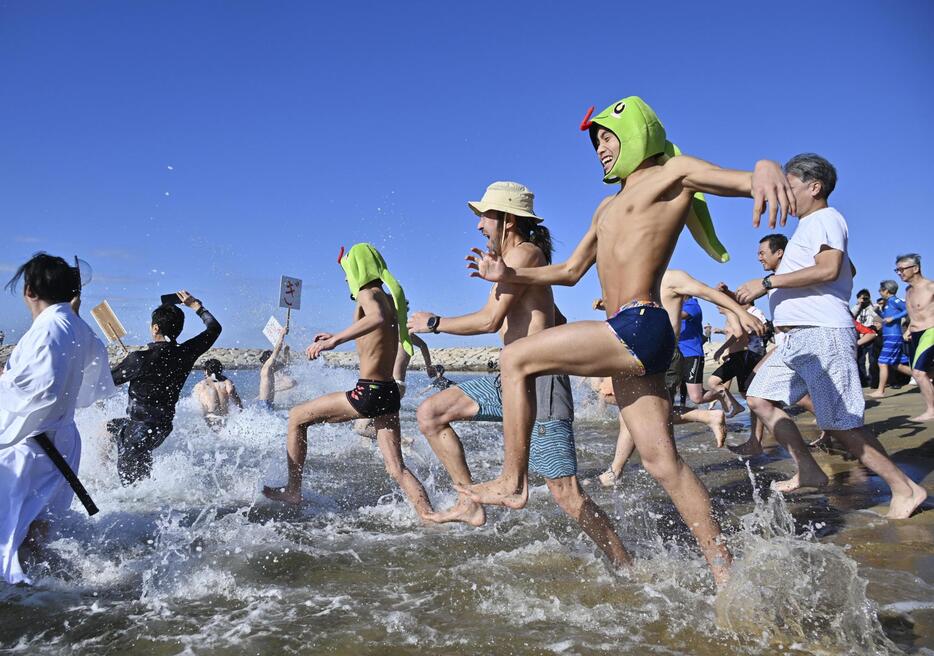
(767,282)
(433,322)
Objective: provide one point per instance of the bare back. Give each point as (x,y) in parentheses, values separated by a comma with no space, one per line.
(920,300)
(636,232)
(214,396)
(534,309)
(377,349)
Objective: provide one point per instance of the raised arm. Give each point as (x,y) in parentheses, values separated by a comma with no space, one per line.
(212,328)
(766,184)
(683,284)
(372,319)
(490,267)
(490,318)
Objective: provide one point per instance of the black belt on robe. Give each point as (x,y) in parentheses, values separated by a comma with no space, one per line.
(55,455)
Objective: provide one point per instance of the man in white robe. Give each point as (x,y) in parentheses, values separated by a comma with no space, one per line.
(58,365)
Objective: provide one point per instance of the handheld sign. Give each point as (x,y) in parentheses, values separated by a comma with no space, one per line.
(290,296)
(272,330)
(109,323)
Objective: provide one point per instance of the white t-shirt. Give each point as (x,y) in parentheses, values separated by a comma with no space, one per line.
(824,304)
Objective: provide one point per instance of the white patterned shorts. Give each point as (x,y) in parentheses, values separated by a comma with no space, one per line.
(820,362)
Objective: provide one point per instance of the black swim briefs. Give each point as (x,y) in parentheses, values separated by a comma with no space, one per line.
(375,398)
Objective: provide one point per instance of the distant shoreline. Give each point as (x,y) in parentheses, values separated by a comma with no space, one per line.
(483,358)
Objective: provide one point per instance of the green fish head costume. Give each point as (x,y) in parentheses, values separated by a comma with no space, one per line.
(641,136)
(363,264)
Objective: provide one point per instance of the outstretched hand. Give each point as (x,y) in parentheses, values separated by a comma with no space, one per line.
(750,291)
(488,265)
(751,325)
(771,190)
(323,342)
(418,322)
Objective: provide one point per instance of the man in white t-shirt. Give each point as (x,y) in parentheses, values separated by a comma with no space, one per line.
(808,296)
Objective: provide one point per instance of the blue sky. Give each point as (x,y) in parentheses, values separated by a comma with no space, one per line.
(215,146)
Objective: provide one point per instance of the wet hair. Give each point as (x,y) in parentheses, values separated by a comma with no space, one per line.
(170,320)
(534,232)
(47,277)
(265,355)
(889,285)
(213,367)
(914,258)
(810,167)
(776,241)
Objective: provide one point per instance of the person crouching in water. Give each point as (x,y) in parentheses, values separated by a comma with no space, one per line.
(215,393)
(379,326)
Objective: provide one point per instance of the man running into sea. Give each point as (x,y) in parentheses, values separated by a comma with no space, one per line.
(677,286)
(631,239)
(508,221)
(377,329)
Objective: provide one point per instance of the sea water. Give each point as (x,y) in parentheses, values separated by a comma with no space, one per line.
(195,560)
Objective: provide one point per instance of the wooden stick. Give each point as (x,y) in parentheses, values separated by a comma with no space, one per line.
(125,349)
(288,317)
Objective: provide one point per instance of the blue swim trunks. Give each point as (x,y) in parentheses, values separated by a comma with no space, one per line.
(552,451)
(892,352)
(644,329)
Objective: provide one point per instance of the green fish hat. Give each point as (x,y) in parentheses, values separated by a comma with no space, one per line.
(641,136)
(363,264)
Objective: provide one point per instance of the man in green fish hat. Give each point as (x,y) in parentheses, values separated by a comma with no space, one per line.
(631,238)
(379,327)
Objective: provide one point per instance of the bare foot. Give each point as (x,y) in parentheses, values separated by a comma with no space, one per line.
(927,416)
(902,506)
(608,478)
(282,494)
(465,510)
(877,395)
(748,449)
(736,409)
(796,482)
(497,492)
(718,426)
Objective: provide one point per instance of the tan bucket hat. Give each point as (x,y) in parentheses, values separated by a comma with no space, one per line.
(509,197)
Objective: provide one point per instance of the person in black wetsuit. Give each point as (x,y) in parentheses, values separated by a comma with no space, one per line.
(156,376)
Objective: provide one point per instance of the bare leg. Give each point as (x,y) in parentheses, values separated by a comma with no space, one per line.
(883,381)
(809,473)
(388,439)
(435,415)
(624,449)
(720,391)
(646,408)
(330,408)
(927,393)
(596,352)
(906,494)
(715,420)
(594,522)
(31,551)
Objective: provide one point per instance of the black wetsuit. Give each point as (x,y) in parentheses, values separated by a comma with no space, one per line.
(156,376)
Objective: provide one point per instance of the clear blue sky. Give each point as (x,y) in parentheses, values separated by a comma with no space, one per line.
(214,146)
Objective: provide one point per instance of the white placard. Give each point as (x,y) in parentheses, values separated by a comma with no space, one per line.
(290,293)
(272,330)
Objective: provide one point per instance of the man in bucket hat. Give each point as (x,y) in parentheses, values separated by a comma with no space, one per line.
(508,222)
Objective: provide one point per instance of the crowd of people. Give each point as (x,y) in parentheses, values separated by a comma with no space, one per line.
(647,351)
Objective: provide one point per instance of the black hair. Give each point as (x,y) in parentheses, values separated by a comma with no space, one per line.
(863,292)
(48,277)
(776,241)
(170,320)
(533,231)
(213,367)
(265,355)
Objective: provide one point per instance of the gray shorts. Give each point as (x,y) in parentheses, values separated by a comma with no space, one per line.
(820,362)
(552,451)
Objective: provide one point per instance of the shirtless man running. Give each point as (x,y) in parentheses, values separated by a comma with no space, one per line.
(515,311)
(631,238)
(920,299)
(378,321)
(676,287)
(214,394)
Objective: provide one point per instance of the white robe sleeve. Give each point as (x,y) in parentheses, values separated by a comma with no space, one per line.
(97,382)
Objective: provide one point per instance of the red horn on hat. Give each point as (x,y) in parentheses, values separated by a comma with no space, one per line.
(340,255)
(586,123)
